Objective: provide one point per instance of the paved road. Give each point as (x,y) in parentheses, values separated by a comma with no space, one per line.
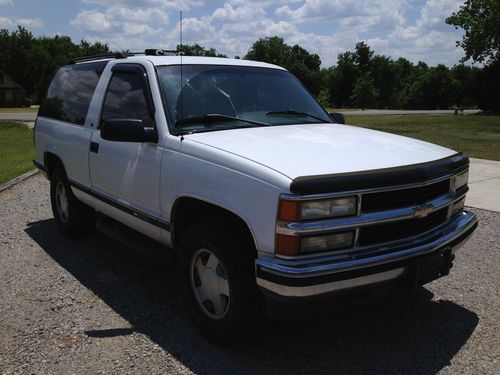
(484,184)
(370,112)
(18,116)
(94,306)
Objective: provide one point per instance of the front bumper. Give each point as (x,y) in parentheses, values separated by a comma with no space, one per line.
(292,279)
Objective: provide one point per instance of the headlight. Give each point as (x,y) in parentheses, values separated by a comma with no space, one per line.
(329,242)
(295,245)
(318,209)
(461,180)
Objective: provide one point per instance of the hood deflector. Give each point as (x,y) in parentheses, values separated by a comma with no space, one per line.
(377,178)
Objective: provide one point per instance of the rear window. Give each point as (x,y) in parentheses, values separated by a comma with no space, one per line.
(69,95)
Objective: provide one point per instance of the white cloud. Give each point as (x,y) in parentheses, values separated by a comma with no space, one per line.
(384,24)
(5,23)
(92,21)
(434,12)
(244,13)
(363,15)
(263,3)
(428,39)
(157,4)
(325,27)
(5,2)
(119,23)
(30,22)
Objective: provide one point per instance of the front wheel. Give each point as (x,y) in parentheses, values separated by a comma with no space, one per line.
(73,218)
(218,281)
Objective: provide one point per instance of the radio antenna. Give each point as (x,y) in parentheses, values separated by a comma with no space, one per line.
(180,26)
(181,53)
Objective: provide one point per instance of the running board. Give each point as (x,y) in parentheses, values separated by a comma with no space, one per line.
(133,239)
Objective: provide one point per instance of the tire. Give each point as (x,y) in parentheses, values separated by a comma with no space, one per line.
(73,218)
(212,253)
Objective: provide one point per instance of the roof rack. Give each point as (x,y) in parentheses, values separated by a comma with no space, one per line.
(161,52)
(114,55)
(123,55)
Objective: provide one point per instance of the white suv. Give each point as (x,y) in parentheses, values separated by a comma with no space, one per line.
(236,166)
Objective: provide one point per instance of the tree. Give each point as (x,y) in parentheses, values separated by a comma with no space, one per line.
(341,79)
(480,20)
(32,61)
(488,94)
(197,50)
(324,98)
(363,54)
(382,71)
(364,93)
(304,65)
(403,76)
(434,89)
(466,79)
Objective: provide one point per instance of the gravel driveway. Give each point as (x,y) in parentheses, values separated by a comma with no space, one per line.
(95,306)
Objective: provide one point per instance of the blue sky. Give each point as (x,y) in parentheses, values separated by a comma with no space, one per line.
(414,29)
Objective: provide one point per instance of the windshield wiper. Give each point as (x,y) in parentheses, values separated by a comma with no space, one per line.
(294,112)
(215,117)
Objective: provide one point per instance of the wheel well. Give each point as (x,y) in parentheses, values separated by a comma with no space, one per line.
(187,211)
(51,162)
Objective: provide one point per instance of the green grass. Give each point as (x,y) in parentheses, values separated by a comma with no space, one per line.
(19,110)
(16,150)
(476,135)
(343,109)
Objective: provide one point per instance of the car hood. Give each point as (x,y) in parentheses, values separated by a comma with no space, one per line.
(320,149)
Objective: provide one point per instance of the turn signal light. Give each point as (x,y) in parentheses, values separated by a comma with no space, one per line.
(287,245)
(289,211)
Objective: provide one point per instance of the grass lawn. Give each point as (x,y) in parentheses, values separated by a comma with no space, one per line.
(19,110)
(476,135)
(16,150)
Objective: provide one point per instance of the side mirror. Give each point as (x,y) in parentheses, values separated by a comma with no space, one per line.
(127,130)
(338,117)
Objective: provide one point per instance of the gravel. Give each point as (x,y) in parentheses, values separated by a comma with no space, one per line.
(95,306)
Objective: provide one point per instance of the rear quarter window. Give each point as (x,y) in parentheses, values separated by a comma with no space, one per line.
(69,94)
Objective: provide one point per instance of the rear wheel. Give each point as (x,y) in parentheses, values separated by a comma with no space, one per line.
(73,218)
(216,269)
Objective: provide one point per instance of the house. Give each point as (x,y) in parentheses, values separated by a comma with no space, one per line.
(11,94)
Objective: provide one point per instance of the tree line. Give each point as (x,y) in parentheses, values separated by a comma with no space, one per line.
(363,79)
(32,61)
(360,78)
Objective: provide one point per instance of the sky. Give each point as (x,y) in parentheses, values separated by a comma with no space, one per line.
(414,29)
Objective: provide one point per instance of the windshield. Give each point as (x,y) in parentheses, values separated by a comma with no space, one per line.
(217,97)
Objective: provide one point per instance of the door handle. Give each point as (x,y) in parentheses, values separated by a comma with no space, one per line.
(94,147)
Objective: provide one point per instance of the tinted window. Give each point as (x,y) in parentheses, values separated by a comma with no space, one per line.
(69,95)
(126,99)
(248,93)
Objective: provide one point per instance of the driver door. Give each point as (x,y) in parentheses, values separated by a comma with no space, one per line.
(125,176)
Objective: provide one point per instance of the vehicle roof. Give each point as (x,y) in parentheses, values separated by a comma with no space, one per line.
(193,60)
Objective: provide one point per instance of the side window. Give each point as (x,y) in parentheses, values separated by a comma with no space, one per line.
(69,95)
(126,99)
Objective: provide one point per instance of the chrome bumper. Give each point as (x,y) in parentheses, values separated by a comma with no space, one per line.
(298,278)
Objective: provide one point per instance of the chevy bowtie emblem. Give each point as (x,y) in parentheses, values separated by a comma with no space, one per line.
(423,211)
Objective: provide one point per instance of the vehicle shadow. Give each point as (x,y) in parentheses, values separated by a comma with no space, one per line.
(395,333)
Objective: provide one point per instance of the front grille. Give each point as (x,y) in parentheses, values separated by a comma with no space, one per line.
(403,198)
(380,233)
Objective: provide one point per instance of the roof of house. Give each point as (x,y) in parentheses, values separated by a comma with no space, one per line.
(8,82)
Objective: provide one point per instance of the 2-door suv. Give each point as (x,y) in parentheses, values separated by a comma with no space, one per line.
(237,167)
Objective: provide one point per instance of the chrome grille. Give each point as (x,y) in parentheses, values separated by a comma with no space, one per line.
(388,232)
(386,200)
